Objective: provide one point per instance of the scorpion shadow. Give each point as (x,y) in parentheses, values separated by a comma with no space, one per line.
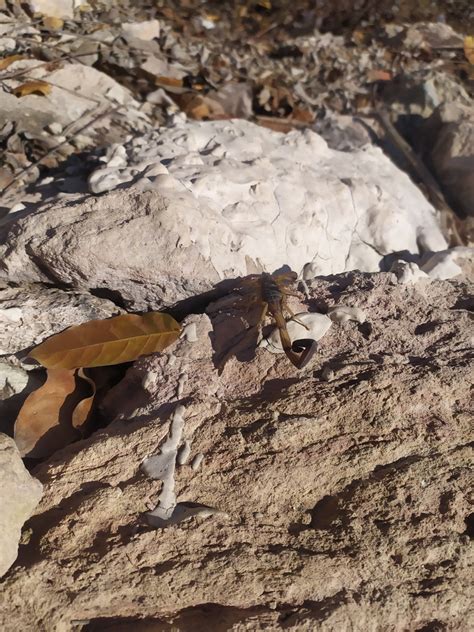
(235,329)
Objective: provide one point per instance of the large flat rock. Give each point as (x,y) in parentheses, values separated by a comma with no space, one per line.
(341,489)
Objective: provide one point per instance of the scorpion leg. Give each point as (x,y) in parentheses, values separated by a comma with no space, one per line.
(263,314)
(301,352)
(293,316)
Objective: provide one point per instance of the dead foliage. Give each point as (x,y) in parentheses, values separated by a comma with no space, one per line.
(59,411)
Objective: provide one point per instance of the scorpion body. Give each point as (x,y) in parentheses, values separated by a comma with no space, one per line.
(271,291)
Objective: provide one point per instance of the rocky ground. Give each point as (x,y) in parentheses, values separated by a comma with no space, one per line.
(333,498)
(155,158)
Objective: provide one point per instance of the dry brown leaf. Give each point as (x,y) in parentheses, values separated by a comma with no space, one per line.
(81,413)
(105,342)
(201,107)
(362,101)
(98,26)
(360,37)
(52,24)
(32,87)
(6,61)
(303,115)
(43,424)
(276,124)
(6,177)
(195,107)
(469,48)
(377,74)
(168,82)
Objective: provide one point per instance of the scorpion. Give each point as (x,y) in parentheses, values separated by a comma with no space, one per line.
(271,291)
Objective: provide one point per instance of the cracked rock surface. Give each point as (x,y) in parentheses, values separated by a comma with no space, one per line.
(341,489)
(29,314)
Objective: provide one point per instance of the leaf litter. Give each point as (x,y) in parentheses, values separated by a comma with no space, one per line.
(283,65)
(59,412)
(43,423)
(106,342)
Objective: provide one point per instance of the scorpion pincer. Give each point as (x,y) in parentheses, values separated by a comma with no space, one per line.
(271,291)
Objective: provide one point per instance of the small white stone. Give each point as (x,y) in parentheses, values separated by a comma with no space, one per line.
(155,169)
(54,128)
(311,325)
(407,272)
(7,44)
(13,379)
(116,156)
(442,265)
(197,460)
(106,179)
(17,207)
(190,333)
(146,30)
(55,8)
(181,382)
(342,313)
(149,381)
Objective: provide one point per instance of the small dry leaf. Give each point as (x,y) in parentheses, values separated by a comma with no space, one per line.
(43,424)
(6,177)
(105,342)
(32,87)
(6,61)
(362,101)
(81,413)
(168,83)
(276,124)
(469,48)
(302,115)
(200,107)
(52,24)
(360,37)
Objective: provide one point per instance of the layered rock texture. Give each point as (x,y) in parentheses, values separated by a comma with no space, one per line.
(331,498)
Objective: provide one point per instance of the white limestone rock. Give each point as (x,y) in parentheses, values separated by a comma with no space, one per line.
(55,8)
(442,265)
(302,325)
(213,200)
(76,89)
(407,272)
(146,30)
